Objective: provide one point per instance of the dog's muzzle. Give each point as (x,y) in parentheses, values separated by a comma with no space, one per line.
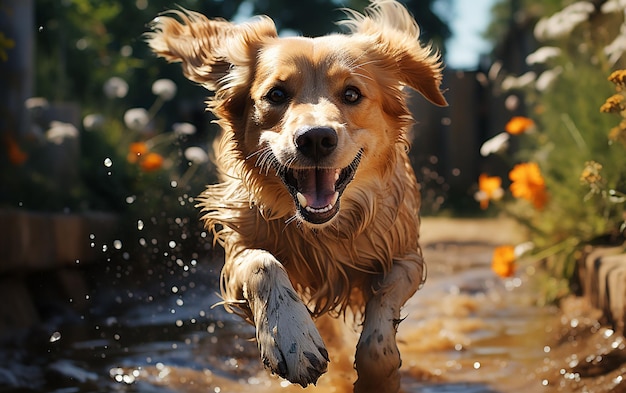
(317,190)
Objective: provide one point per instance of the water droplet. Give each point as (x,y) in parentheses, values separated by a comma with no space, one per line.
(131,199)
(179,323)
(104,248)
(40,29)
(172,244)
(476,365)
(56,336)
(174,289)
(179,302)
(108,162)
(174,183)
(92,236)
(117,244)
(139,225)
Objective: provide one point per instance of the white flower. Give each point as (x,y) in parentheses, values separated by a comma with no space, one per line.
(93,121)
(36,103)
(197,155)
(613,6)
(563,22)
(164,88)
(616,49)
(512,82)
(511,102)
(136,119)
(184,129)
(547,78)
(115,87)
(542,55)
(496,144)
(523,248)
(59,131)
(494,70)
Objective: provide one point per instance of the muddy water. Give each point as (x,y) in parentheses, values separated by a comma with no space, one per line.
(466,331)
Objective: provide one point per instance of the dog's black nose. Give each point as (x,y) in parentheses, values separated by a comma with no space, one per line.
(316,142)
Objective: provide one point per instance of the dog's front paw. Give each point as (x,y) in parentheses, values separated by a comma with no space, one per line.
(289,342)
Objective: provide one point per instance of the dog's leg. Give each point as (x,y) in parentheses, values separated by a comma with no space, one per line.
(289,342)
(377,358)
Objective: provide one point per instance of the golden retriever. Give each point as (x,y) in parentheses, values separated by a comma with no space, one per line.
(318,206)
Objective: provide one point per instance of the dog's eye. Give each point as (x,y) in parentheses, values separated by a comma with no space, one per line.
(351,95)
(277,95)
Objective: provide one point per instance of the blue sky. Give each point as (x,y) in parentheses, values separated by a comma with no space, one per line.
(468,19)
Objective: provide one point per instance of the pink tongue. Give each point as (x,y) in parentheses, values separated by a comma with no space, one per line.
(317,185)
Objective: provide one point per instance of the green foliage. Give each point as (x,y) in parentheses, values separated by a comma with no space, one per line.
(585,174)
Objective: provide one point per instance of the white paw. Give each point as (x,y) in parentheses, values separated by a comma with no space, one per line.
(289,342)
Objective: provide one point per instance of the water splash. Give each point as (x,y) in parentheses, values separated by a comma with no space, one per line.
(56,336)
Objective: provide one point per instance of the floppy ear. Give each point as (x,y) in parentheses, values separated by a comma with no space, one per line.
(394,35)
(207,48)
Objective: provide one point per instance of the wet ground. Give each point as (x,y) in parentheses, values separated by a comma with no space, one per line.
(467,331)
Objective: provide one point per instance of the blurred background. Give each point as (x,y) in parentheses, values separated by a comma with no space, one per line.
(103,148)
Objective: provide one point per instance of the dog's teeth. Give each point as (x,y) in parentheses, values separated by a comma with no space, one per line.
(337,172)
(302,199)
(321,210)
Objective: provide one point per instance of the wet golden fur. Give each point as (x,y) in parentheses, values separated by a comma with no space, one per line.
(348,261)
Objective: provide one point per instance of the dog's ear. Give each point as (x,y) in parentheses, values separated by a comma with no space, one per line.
(394,38)
(208,49)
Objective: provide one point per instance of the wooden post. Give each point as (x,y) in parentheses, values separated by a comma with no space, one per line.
(17,23)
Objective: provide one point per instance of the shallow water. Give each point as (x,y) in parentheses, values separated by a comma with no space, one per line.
(465,331)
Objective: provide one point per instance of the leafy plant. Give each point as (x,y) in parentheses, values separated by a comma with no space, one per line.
(569,172)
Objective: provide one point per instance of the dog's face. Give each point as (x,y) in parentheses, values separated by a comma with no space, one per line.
(313,114)
(317,117)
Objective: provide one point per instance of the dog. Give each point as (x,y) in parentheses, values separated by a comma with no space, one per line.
(317,207)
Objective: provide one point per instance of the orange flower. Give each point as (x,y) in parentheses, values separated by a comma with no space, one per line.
(528,183)
(518,125)
(489,188)
(14,152)
(151,162)
(618,77)
(135,151)
(503,261)
(613,104)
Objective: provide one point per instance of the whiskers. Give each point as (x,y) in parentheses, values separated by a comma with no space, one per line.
(290,220)
(265,160)
(358,68)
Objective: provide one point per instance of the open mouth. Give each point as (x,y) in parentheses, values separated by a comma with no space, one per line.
(316,191)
